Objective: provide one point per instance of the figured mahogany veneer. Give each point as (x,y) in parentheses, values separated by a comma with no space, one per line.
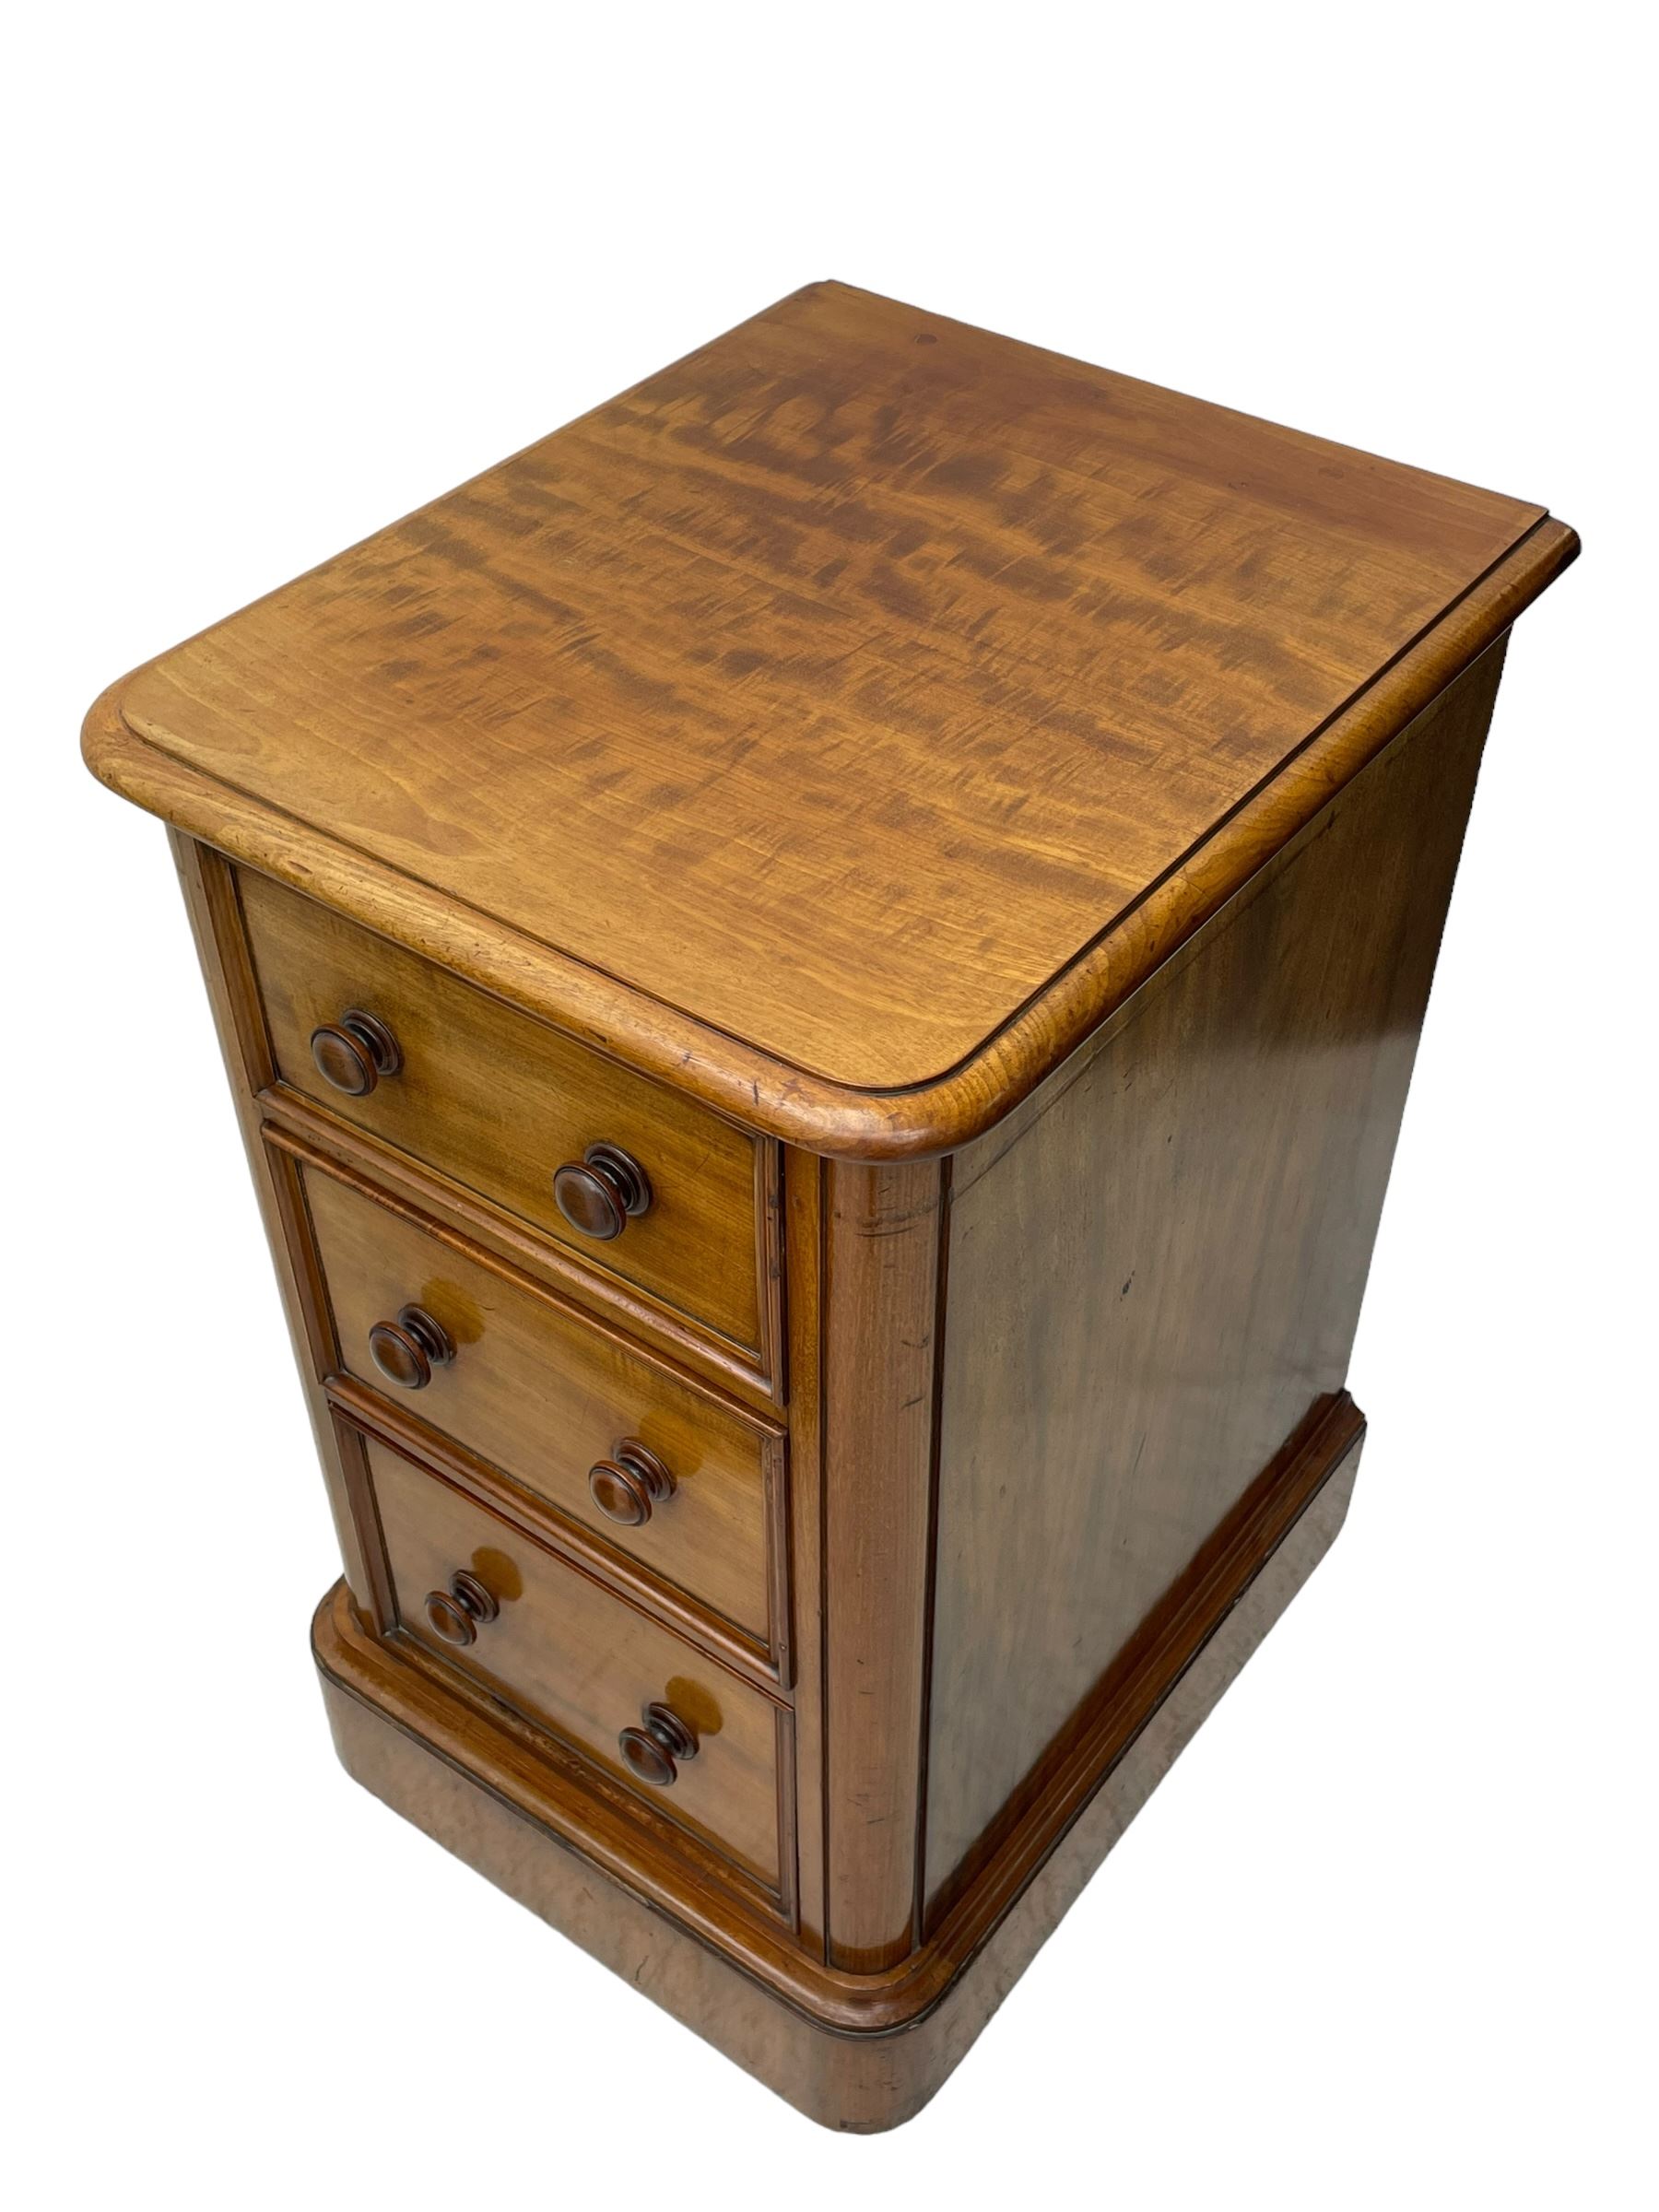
(820,973)
(906,693)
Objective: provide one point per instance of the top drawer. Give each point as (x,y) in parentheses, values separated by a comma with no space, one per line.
(498,1102)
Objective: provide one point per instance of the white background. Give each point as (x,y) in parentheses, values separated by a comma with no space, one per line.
(278,274)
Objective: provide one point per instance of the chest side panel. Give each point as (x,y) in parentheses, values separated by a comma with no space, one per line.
(1155,1273)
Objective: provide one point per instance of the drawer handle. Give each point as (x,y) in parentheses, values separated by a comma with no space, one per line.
(354,1052)
(407,1350)
(650,1753)
(599,1196)
(458,1613)
(626,1488)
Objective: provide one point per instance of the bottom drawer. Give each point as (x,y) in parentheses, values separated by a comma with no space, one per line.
(569,1656)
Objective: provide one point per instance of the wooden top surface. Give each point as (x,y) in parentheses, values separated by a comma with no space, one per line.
(831,699)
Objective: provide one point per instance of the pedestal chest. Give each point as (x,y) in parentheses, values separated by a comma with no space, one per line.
(820,973)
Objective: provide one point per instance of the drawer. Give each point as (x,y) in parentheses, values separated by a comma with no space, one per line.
(498,1102)
(573,1659)
(548,1395)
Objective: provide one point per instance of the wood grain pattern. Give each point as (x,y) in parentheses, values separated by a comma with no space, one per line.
(1157,1269)
(545,1395)
(879,670)
(882,1227)
(569,1656)
(500,1102)
(853,2052)
(210,904)
(804,1182)
(759,1380)
(1031,800)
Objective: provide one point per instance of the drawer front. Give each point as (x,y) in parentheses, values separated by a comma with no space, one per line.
(499,1102)
(571,1658)
(548,1395)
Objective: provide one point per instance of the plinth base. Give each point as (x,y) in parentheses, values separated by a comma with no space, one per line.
(853,2052)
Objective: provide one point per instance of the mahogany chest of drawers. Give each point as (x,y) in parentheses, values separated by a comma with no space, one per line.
(820,973)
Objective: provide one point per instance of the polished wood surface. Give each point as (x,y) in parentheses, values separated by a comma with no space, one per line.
(804,1201)
(820,974)
(502,1103)
(879,670)
(1313,1476)
(571,1657)
(881,1263)
(215,926)
(1155,1271)
(830,2046)
(547,1396)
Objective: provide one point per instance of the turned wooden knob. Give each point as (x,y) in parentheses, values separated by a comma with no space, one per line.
(407,1350)
(354,1052)
(651,1753)
(458,1613)
(626,1488)
(600,1195)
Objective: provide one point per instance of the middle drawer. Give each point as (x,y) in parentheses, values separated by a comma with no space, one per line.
(674,1478)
